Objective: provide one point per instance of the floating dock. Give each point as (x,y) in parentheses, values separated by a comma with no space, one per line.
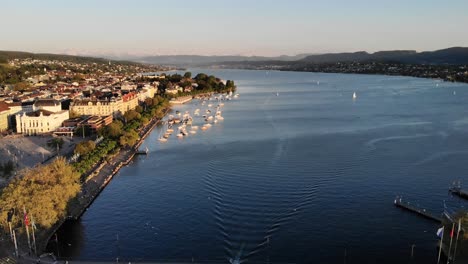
(459,192)
(142,152)
(422,212)
(181,100)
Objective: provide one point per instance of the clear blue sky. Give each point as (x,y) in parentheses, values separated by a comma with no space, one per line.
(247,27)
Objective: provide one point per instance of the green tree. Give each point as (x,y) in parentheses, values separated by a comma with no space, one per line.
(131,115)
(22,86)
(85,147)
(113,130)
(175,78)
(129,138)
(139,109)
(201,76)
(44,191)
(144,120)
(188,75)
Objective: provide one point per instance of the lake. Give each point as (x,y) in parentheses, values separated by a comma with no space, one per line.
(298,172)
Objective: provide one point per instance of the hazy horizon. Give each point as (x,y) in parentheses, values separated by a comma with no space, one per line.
(239,28)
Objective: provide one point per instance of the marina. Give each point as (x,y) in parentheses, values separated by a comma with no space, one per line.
(284,174)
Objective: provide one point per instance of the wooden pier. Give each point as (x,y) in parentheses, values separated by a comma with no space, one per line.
(412,208)
(459,192)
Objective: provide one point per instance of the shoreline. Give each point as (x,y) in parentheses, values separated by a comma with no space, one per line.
(103,173)
(339,72)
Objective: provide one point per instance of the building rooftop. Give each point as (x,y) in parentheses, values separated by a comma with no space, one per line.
(46,102)
(4,107)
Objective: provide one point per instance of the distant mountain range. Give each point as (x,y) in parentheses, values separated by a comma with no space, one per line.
(197,60)
(456,55)
(9,55)
(452,56)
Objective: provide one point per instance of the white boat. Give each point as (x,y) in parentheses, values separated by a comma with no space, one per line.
(161,139)
(169,130)
(204,128)
(180,135)
(277,94)
(193,131)
(194,127)
(354,95)
(220,118)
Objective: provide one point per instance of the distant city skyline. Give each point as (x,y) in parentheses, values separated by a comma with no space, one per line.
(261,28)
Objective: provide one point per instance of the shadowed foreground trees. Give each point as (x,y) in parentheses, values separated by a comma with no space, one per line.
(43,190)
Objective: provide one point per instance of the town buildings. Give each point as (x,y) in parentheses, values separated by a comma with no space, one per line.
(97,93)
(40,121)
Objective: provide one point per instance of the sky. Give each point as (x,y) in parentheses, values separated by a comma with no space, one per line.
(237,27)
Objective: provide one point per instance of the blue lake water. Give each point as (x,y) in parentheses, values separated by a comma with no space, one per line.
(308,176)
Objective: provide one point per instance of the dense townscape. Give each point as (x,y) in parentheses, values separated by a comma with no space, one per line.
(101,111)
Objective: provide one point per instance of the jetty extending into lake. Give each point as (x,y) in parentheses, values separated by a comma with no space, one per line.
(457,190)
(415,209)
(181,99)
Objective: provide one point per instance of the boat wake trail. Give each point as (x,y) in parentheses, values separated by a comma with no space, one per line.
(372,143)
(254,200)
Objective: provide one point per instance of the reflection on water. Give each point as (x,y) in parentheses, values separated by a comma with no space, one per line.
(308,175)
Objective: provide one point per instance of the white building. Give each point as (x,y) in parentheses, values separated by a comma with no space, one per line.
(40,122)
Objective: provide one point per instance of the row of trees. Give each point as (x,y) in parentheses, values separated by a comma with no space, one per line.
(92,155)
(204,83)
(120,133)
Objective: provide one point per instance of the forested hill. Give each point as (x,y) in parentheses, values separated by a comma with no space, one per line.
(5,56)
(455,55)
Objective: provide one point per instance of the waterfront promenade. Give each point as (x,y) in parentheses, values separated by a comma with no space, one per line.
(96,180)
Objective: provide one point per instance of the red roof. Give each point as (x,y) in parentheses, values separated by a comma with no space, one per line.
(128,96)
(4,107)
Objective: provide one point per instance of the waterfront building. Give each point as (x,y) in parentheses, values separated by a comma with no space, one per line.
(114,106)
(40,121)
